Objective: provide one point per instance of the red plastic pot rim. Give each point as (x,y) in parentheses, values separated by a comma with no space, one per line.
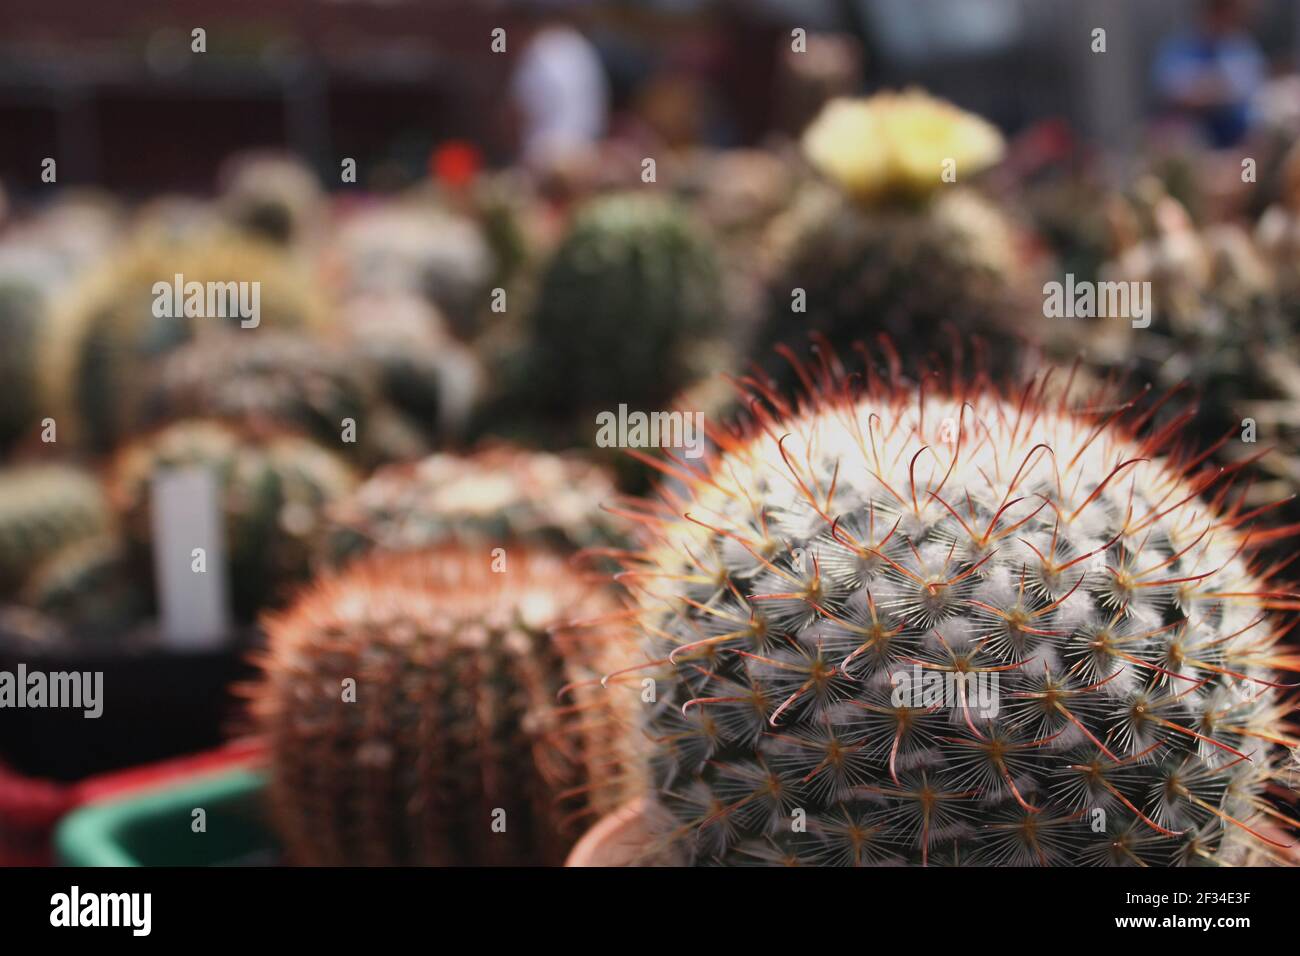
(30,803)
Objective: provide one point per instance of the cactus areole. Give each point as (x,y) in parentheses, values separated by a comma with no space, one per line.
(942,623)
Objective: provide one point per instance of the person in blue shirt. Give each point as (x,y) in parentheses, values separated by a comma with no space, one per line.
(1211,72)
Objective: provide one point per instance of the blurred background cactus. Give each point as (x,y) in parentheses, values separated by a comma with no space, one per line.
(1278,233)
(273,492)
(275,198)
(98,367)
(279,381)
(419,249)
(628,311)
(89,587)
(440,709)
(432,381)
(44,508)
(892,240)
(498,493)
(22,313)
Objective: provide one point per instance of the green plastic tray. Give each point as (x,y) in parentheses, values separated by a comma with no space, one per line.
(155,827)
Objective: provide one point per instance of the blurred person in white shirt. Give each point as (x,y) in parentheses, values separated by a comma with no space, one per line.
(559,87)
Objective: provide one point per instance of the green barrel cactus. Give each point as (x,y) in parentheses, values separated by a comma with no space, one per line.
(273,493)
(628,311)
(89,586)
(43,508)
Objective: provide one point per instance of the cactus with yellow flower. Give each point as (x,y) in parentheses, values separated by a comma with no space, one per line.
(890,238)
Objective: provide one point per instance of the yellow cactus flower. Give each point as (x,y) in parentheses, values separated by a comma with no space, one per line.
(895,145)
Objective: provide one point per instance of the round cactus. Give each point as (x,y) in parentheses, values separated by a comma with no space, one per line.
(1205,284)
(37,259)
(277,382)
(273,488)
(886,244)
(894,626)
(99,366)
(416,712)
(625,312)
(273,380)
(1278,232)
(418,249)
(89,586)
(1072,212)
(428,376)
(497,493)
(1216,326)
(21,314)
(913,274)
(43,508)
(273,197)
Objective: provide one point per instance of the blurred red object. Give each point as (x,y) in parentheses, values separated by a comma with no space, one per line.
(455,163)
(1045,144)
(30,808)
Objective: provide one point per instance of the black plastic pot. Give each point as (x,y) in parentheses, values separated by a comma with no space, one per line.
(158,702)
